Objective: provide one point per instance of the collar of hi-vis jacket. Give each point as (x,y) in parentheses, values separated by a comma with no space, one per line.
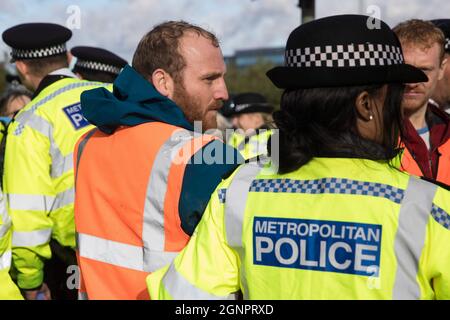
(51,78)
(133,101)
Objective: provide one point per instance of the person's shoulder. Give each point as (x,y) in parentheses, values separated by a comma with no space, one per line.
(217,153)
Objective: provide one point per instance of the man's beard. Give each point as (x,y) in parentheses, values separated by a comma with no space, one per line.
(411,107)
(192,108)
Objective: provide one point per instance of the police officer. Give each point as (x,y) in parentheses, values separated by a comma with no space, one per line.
(97,64)
(337,220)
(38,176)
(13,98)
(252,120)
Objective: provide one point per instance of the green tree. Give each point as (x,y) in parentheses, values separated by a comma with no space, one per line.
(253,79)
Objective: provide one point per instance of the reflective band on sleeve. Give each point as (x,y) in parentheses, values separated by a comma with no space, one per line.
(5,227)
(156,260)
(30,119)
(30,202)
(181,289)
(236,201)
(153,226)
(111,252)
(410,238)
(63,199)
(5,260)
(82,295)
(31,238)
(60,164)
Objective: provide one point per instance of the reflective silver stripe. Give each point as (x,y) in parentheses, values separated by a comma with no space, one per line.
(156,260)
(111,252)
(5,226)
(6,219)
(30,202)
(181,289)
(82,295)
(70,86)
(63,199)
(236,201)
(31,238)
(153,226)
(60,164)
(122,254)
(410,238)
(29,118)
(5,260)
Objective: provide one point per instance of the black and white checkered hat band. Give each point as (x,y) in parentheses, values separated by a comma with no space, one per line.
(38,53)
(93,65)
(352,55)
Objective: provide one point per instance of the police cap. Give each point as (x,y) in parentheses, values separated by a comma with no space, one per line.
(444,25)
(97,59)
(36,40)
(250,102)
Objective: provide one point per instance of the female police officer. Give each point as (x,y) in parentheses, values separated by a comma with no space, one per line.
(337,220)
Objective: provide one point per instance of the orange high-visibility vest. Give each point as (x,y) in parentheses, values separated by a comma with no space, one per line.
(443,175)
(128,186)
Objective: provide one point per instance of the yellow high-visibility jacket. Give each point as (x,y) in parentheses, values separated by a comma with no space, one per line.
(8,289)
(38,175)
(334,229)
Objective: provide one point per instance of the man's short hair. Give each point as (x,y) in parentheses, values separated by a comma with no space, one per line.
(159,48)
(420,33)
(43,66)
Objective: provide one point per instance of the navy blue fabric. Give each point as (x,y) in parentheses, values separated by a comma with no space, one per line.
(200,181)
(133,101)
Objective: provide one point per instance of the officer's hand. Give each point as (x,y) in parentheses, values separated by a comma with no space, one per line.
(43,293)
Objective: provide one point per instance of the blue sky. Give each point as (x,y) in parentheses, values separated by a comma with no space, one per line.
(118,25)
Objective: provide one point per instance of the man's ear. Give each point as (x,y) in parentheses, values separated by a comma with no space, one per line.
(22,68)
(442,68)
(163,82)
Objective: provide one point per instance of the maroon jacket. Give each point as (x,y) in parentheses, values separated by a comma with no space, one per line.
(438,124)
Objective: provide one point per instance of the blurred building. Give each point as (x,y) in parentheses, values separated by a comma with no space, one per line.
(245,58)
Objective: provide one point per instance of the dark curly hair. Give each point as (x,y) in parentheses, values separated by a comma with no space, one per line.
(322,122)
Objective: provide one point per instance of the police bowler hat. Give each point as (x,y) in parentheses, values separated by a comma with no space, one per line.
(343,50)
(444,25)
